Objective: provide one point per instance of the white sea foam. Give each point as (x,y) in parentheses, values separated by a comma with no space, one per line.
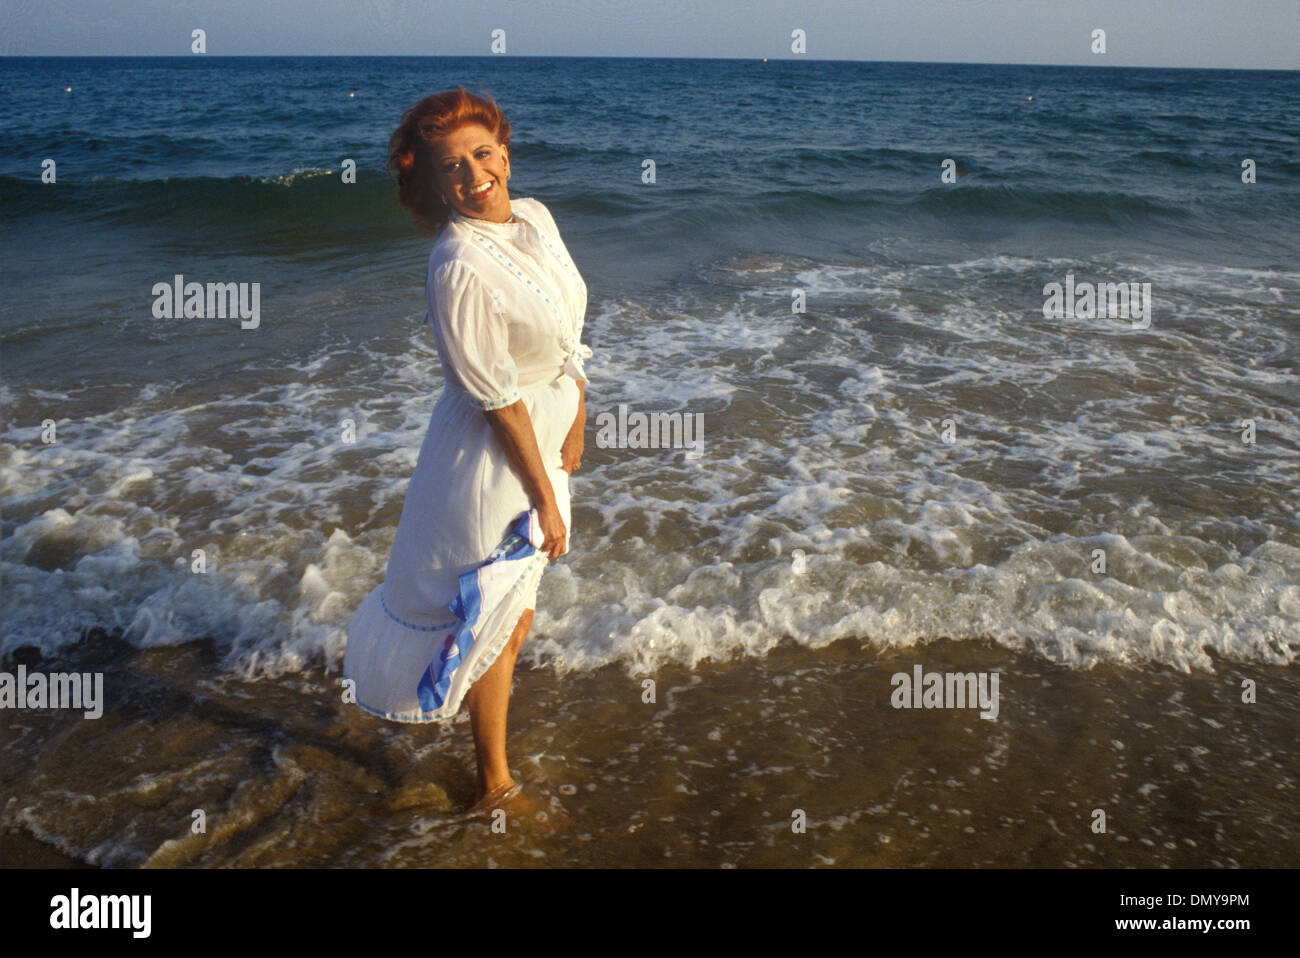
(825,435)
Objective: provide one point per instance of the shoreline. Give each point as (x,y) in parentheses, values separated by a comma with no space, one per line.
(707,776)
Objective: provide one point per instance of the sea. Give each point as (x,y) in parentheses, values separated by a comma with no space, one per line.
(922,450)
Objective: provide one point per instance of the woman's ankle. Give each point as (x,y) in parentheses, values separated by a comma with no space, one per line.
(500,792)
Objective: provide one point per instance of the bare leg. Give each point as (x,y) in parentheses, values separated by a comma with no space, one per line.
(488,700)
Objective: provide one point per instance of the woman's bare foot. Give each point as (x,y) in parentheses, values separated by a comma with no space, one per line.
(498,797)
(512,798)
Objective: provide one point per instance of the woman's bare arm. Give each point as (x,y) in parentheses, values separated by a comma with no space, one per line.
(513,428)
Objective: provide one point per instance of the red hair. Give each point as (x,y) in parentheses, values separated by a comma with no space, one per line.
(410,149)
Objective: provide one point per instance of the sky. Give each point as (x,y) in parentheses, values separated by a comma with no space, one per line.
(1242,34)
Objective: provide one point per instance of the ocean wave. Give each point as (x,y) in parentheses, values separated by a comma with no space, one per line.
(823,435)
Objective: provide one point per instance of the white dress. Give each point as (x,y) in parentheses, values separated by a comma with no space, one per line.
(507,305)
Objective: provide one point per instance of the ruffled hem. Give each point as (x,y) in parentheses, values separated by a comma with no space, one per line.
(386,656)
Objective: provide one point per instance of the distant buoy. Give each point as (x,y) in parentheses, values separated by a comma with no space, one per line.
(353,94)
(67,89)
(1031,98)
(764,59)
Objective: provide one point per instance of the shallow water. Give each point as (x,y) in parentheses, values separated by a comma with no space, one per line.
(709,775)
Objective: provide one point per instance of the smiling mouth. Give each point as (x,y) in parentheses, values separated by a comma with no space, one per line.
(480,191)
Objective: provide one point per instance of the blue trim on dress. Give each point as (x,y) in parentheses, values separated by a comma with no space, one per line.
(411,625)
(510,398)
(414,717)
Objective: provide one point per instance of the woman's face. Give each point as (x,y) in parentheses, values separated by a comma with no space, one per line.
(471,158)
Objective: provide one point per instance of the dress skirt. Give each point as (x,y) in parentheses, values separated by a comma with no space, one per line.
(461,502)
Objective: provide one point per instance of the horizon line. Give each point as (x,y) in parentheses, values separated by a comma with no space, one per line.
(567,56)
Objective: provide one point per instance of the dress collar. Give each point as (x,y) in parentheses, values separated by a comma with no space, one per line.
(489,227)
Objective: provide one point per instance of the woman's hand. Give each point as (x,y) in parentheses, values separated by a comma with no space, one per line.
(555,536)
(571,450)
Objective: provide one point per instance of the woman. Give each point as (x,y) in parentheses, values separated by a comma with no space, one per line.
(506,303)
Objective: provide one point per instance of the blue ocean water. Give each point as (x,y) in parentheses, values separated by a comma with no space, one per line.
(947,459)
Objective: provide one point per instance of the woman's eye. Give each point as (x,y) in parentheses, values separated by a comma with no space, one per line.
(482,154)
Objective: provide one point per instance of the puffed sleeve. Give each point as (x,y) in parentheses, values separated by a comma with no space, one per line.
(472,331)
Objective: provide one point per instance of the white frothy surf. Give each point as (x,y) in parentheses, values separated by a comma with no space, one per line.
(824,433)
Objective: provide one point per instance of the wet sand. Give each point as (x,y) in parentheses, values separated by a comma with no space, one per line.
(711,774)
